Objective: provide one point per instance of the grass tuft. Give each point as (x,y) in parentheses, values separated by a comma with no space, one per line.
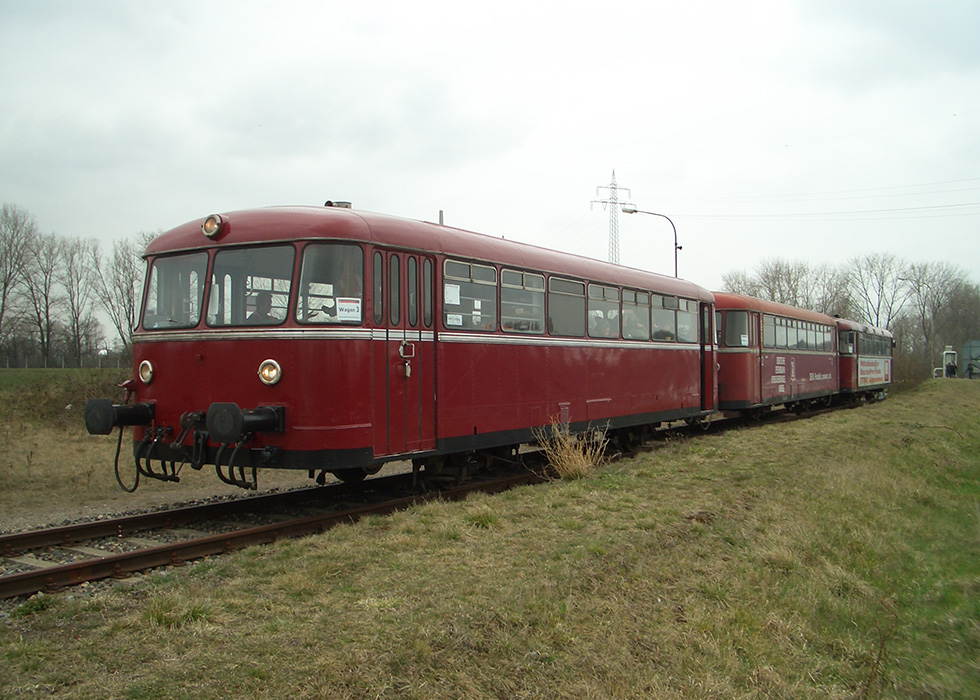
(573,456)
(172,611)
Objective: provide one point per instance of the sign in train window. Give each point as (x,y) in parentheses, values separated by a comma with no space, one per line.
(469,300)
(331,284)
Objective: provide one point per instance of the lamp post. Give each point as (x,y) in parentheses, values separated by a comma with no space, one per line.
(631,209)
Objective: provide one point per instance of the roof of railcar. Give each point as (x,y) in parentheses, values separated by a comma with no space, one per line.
(725,300)
(850,325)
(304,223)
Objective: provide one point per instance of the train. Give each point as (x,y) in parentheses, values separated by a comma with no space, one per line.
(333,340)
(771,354)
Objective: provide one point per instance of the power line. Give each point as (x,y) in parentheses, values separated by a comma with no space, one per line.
(854,212)
(839,194)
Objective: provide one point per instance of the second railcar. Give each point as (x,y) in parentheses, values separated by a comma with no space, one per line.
(771,354)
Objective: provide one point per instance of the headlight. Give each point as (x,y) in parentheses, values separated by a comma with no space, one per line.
(211,226)
(270,372)
(146,371)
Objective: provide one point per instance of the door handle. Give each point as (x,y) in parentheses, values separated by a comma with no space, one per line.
(406,350)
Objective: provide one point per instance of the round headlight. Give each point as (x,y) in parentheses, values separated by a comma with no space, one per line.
(270,372)
(146,371)
(211,226)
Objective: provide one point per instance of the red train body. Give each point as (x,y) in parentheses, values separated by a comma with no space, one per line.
(865,358)
(771,354)
(383,339)
(332,340)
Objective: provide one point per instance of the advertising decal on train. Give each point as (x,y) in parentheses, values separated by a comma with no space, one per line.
(874,370)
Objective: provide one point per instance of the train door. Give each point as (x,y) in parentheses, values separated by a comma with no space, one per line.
(755,367)
(404,400)
(709,364)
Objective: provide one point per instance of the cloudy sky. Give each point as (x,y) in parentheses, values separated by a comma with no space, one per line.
(796,129)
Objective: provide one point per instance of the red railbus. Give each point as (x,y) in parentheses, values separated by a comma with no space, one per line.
(771,354)
(334,340)
(865,359)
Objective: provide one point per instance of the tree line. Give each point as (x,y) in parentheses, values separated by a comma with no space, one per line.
(52,290)
(925,305)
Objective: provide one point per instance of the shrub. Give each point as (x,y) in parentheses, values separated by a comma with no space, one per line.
(572,456)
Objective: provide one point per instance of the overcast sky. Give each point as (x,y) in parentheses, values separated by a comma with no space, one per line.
(801,130)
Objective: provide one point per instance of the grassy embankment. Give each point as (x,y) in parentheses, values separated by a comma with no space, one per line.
(50,467)
(837,557)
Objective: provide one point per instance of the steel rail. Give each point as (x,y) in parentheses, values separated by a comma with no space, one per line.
(120,565)
(13,543)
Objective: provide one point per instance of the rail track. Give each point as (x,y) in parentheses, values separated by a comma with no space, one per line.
(50,559)
(54,558)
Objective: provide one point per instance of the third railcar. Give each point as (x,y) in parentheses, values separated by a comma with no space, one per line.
(865,359)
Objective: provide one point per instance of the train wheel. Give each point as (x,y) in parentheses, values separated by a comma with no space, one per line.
(350,476)
(627,442)
(703,422)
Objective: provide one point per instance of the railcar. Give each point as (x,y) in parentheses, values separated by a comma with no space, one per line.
(771,354)
(865,359)
(334,340)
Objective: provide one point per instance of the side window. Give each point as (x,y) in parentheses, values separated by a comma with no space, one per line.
(636,315)
(250,286)
(413,293)
(379,289)
(566,307)
(664,313)
(603,311)
(427,293)
(469,296)
(521,302)
(791,335)
(331,284)
(394,290)
(781,333)
(687,321)
(769,331)
(737,329)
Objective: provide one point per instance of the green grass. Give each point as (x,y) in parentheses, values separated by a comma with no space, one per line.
(55,395)
(837,557)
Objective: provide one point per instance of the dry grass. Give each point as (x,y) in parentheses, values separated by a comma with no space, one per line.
(572,456)
(837,557)
(51,469)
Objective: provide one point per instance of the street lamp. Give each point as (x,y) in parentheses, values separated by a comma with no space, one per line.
(631,209)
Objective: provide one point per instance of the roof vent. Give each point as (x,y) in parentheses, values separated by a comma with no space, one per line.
(339,205)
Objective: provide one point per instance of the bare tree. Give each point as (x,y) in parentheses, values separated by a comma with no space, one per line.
(118,283)
(780,281)
(43,269)
(77,282)
(822,288)
(739,282)
(931,288)
(832,293)
(879,284)
(959,320)
(17,233)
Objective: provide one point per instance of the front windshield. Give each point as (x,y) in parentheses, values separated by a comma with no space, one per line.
(250,286)
(175,291)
